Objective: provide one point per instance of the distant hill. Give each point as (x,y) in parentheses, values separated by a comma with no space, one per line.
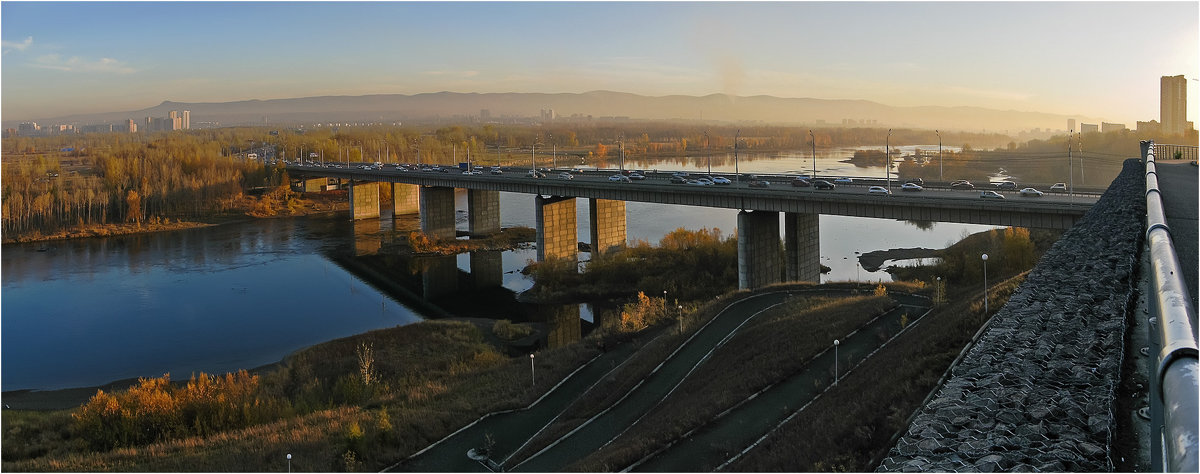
(598,104)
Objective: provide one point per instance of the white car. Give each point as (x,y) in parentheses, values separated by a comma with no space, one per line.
(721,180)
(616,178)
(637,176)
(878,190)
(990,195)
(843,181)
(497,170)
(566,176)
(696,182)
(1058,187)
(1030,192)
(911,187)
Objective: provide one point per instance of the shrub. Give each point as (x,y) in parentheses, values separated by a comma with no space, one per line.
(505,329)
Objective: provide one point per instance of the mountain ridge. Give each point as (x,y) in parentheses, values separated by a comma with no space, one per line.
(716,107)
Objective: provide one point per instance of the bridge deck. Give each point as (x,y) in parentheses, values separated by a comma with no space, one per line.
(943,205)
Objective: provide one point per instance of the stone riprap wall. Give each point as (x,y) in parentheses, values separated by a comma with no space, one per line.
(1036,391)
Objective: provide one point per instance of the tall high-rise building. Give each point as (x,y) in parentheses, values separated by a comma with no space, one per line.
(187,120)
(1172,108)
(1070,125)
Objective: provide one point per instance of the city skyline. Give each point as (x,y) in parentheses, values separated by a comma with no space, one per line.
(1076,58)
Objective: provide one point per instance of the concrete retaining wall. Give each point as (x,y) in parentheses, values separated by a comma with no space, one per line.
(1036,391)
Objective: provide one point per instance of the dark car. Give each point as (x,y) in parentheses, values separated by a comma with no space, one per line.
(822,184)
(801,183)
(759,183)
(678,180)
(1009,185)
(962,185)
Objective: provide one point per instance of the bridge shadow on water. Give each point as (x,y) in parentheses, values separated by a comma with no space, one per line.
(435,287)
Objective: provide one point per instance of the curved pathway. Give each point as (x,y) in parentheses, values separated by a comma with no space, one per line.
(602,428)
(740,427)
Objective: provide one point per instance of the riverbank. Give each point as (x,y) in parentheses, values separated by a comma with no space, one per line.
(245,207)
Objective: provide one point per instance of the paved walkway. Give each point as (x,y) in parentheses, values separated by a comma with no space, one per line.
(711,445)
(510,430)
(611,423)
(1177,181)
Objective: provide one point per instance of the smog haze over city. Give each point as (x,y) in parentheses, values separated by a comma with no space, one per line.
(1089,59)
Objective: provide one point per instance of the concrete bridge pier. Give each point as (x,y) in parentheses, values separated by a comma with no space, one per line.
(437,212)
(406,198)
(759,254)
(483,212)
(313,185)
(557,232)
(364,200)
(487,268)
(802,246)
(607,222)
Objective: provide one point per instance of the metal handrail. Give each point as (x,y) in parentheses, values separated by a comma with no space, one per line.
(1177,369)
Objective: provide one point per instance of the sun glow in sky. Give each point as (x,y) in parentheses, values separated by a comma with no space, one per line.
(1093,59)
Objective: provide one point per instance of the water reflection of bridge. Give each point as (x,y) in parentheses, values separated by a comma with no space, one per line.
(435,287)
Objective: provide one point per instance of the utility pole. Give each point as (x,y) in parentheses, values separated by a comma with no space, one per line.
(1070,165)
(814,153)
(737,176)
(887,147)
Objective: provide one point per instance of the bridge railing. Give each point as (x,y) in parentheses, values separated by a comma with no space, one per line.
(1176,370)
(1176,152)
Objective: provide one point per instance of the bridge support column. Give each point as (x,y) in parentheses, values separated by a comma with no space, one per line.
(607,221)
(406,198)
(802,246)
(313,185)
(759,253)
(483,212)
(487,268)
(557,232)
(364,200)
(437,212)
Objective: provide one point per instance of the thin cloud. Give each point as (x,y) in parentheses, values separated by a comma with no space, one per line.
(12,45)
(452,73)
(77,64)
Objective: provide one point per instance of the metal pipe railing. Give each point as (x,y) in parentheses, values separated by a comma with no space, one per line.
(1177,368)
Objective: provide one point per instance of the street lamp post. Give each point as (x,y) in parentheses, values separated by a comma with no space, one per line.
(737,176)
(707,153)
(814,153)
(289,458)
(680,319)
(532,373)
(887,163)
(835,360)
(939,134)
(985,286)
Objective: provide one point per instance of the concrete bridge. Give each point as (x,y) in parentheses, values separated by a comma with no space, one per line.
(1092,363)
(760,262)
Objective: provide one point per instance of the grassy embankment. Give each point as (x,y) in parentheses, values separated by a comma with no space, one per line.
(356,403)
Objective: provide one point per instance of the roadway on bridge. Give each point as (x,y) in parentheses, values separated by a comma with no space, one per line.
(778,183)
(1177,182)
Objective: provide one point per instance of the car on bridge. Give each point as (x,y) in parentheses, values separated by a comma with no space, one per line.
(822,184)
(801,183)
(497,170)
(535,174)
(878,190)
(616,178)
(843,180)
(759,183)
(990,195)
(1030,192)
(911,187)
(1007,185)
(1058,188)
(962,184)
(567,176)
(916,181)
(637,176)
(678,180)
(721,180)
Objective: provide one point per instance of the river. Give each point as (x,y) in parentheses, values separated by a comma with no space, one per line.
(241,295)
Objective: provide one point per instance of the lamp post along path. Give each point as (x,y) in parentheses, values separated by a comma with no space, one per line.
(835,360)
(985,286)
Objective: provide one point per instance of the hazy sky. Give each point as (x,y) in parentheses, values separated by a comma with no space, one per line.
(1098,59)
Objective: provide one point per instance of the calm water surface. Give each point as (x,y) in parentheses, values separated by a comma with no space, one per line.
(88,312)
